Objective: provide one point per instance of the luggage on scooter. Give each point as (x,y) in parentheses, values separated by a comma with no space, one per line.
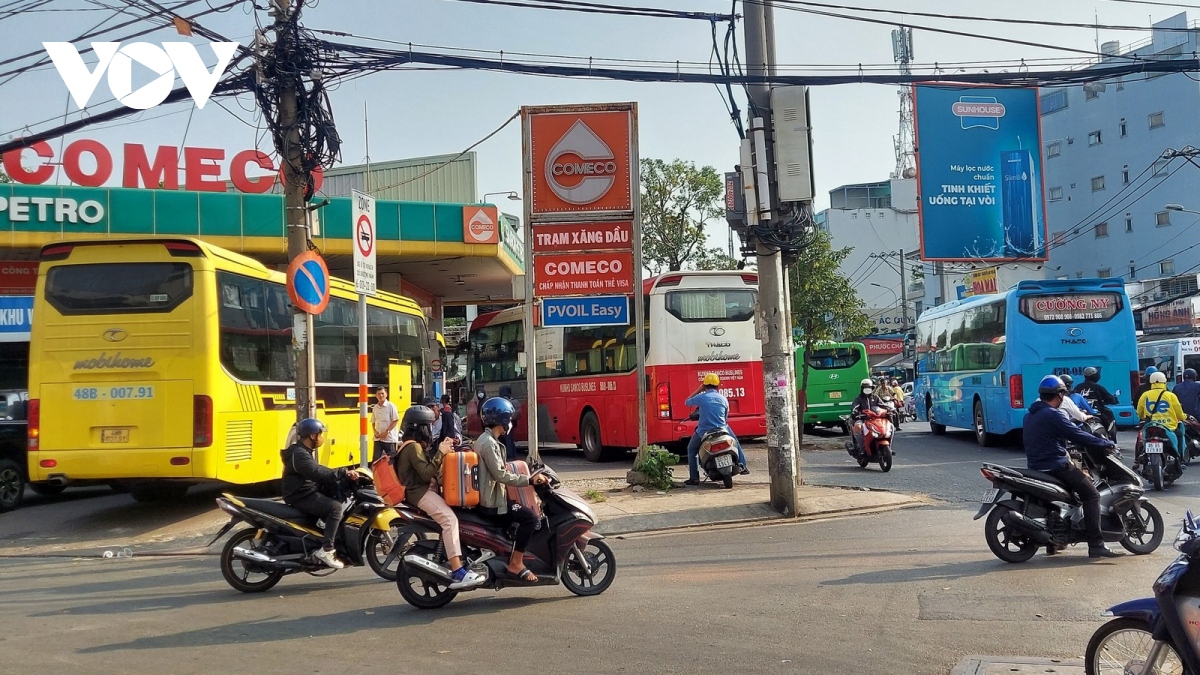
(460,479)
(525,496)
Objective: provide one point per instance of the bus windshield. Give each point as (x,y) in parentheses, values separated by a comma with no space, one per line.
(711,305)
(112,288)
(830,359)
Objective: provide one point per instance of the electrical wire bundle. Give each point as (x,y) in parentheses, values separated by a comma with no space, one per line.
(295,63)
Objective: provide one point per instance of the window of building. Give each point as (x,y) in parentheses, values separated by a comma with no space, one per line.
(1097,183)
(1162,219)
(1166,267)
(1054,101)
(1104,273)
(1123,128)
(1128,223)
(1055,194)
(1094,138)
(1156,120)
(1160,167)
(1125,175)
(1089,94)
(1101,230)
(1053,149)
(1057,239)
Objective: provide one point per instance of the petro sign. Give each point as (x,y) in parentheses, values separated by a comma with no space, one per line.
(582,161)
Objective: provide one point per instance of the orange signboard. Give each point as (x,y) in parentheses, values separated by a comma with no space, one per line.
(583,273)
(581,161)
(481,225)
(569,237)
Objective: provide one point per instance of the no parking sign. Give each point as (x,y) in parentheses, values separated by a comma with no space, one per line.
(308,282)
(362,212)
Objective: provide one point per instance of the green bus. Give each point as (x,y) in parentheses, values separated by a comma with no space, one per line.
(834,371)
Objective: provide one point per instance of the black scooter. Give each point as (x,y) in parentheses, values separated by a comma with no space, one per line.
(1155,635)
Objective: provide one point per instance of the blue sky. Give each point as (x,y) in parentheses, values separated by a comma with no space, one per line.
(424,113)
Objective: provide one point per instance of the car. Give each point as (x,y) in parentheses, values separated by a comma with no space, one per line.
(14,474)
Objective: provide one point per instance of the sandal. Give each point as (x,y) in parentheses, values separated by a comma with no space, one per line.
(526,575)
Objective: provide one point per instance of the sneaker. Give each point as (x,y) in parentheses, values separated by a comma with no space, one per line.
(692,481)
(745,470)
(1103,551)
(329,558)
(465,578)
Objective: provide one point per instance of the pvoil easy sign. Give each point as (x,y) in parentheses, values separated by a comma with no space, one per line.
(168,60)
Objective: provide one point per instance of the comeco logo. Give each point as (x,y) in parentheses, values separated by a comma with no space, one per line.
(481,226)
(165,61)
(595,164)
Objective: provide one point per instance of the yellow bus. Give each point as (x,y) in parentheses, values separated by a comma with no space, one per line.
(159,363)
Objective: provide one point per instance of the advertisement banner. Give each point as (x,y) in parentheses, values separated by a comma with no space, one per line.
(979,173)
(981,282)
(583,273)
(1177,315)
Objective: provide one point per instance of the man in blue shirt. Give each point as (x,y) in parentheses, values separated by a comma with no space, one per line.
(1188,393)
(714,413)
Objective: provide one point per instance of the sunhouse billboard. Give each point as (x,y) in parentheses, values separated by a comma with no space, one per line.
(979,173)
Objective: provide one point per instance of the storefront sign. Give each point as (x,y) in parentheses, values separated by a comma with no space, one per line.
(583,273)
(604,310)
(481,224)
(1176,315)
(568,237)
(18,278)
(878,347)
(16,315)
(581,161)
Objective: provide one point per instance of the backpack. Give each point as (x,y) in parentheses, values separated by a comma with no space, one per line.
(387,483)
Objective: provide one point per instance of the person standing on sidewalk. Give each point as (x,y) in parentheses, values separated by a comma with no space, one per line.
(714,414)
(384,417)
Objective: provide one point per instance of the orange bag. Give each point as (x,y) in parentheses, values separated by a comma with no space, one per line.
(387,483)
(525,496)
(460,479)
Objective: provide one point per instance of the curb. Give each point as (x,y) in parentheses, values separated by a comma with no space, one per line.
(994,665)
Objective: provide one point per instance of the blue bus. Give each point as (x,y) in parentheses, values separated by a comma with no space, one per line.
(979,360)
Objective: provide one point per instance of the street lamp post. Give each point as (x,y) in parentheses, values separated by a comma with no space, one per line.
(511,194)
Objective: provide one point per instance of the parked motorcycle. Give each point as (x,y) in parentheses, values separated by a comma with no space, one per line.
(1155,457)
(563,549)
(1155,635)
(877,439)
(718,456)
(1041,511)
(281,540)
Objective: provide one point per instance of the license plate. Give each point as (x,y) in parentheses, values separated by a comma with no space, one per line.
(1154,448)
(114,435)
(724,461)
(990,496)
(835,394)
(114,393)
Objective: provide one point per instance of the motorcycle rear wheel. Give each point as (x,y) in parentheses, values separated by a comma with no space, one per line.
(885,458)
(603,563)
(1154,465)
(420,593)
(1007,545)
(242,580)
(1121,645)
(1151,535)
(863,461)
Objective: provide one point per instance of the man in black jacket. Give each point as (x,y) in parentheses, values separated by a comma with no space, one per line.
(303,480)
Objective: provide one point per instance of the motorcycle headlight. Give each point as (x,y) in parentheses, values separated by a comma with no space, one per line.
(876,434)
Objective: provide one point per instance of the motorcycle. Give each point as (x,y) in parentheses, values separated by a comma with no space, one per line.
(1155,635)
(281,540)
(877,439)
(1192,431)
(718,456)
(563,549)
(1041,511)
(1107,419)
(1155,457)
(893,410)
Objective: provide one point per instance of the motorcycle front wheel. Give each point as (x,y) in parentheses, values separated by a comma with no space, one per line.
(1122,645)
(601,563)
(385,548)
(244,575)
(1143,529)
(1005,543)
(885,458)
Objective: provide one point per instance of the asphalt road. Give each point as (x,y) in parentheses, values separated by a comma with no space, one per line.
(909,591)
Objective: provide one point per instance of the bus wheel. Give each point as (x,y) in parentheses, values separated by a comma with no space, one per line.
(589,437)
(982,437)
(937,429)
(157,491)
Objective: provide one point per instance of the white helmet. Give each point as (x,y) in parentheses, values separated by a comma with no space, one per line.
(1158,378)
(867,383)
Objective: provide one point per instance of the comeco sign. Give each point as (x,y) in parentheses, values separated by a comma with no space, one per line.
(583,273)
(581,161)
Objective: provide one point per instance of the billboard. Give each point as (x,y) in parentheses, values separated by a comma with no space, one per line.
(582,161)
(979,173)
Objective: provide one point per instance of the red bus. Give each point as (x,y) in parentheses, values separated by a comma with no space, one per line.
(699,322)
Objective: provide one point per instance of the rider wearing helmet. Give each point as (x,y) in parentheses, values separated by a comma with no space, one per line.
(714,414)
(1150,370)
(1162,406)
(1045,432)
(1188,393)
(494,477)
(1074,405)
(1091,390)
(866,400)
(305,483)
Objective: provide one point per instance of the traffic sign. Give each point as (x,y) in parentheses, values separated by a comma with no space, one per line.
(583,273)
(362,213)
(308,282)
(604,310)
(435,365)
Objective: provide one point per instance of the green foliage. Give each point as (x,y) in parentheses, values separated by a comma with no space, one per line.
(825,305)
(4,177)
(655,464)
(678,200)
(594,495)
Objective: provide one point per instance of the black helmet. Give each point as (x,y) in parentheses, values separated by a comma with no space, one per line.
(430,402)
(1091,374)
(496,412)
(416,417)
(1067,379)
(1051,384)
(1189,374)
(309,426)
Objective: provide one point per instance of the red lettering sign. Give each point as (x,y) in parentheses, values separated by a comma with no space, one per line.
(583,273)
(880,347)
(18,278)
(568,237)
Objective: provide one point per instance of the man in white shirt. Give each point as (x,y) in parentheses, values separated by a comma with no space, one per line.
(385,418)
(1068,406)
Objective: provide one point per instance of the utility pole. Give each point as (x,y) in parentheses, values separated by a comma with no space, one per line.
(903,297)
(774,313)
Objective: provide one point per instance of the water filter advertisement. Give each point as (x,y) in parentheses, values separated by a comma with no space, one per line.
(979,170)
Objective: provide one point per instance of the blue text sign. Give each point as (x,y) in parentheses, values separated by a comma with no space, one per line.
(604,310)
(16,317)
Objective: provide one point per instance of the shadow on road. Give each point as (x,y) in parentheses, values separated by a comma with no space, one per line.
(954,571)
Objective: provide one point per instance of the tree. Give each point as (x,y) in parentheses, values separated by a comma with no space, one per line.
(714,259)
(678,200)
(825,305)
(4,177)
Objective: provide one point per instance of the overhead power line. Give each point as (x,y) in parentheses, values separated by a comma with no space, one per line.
(601,8)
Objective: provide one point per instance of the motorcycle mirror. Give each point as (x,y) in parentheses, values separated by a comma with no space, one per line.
(1118,393)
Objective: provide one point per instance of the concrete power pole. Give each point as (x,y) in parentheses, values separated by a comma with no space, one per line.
(903,297)
(774,312)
